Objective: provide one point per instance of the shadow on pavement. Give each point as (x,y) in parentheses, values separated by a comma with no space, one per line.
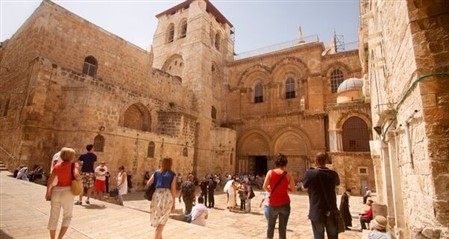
(3,235)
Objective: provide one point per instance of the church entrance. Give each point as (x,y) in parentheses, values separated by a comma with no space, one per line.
(258,165)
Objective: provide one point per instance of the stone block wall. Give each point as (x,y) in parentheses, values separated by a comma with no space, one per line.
(408,67)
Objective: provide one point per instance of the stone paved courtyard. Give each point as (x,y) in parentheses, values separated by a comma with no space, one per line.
(24,214)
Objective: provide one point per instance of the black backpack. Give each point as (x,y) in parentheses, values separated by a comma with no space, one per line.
(187,189)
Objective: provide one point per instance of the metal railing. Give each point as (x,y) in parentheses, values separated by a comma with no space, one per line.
(7,153)
(277,47)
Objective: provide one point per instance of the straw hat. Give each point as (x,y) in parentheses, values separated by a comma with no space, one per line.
(379,223)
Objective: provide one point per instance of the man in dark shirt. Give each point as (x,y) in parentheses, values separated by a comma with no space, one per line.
(320,183)
(87,161)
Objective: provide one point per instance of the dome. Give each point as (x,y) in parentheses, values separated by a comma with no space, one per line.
(350,84)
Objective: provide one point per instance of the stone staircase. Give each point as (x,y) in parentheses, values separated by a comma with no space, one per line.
(3,166)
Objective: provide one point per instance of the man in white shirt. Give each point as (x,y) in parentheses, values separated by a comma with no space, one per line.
(199,213)
(100,178)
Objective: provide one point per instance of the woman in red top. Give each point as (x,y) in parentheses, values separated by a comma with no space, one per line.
(277,183)
(59,193)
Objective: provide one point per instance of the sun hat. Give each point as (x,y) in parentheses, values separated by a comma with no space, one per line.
(379,223)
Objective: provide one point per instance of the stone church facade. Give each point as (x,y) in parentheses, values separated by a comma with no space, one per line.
(67,82)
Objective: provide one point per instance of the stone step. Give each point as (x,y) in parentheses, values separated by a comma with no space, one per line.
(3,166)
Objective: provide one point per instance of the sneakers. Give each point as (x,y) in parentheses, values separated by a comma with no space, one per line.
(87,202)
(78,203)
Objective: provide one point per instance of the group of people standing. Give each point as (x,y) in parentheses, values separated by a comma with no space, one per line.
(319,182)
(63,169)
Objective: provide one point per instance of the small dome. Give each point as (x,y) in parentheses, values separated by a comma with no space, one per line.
(350,84)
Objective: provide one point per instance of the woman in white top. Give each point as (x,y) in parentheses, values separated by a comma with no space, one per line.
(122,184)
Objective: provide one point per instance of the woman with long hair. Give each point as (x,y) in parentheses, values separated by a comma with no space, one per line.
(277,183)
(122,184)
(163,201)
(59,192)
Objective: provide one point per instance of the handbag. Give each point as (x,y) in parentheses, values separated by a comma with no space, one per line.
(77,185)
(334,217)
(148,195)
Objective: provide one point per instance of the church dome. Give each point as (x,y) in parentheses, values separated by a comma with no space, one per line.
(350,84)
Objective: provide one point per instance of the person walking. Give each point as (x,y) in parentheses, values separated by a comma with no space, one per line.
(122,184)
(344,209)
(277,183)
(188,194)
(163,201)
(320,184)
(60,194)
(87,172)
(366,195)
(100,178)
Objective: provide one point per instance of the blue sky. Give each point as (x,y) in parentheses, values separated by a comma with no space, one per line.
(257,23)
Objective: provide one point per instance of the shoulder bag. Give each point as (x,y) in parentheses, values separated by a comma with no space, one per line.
(77,185)
(278,182)
(150,190)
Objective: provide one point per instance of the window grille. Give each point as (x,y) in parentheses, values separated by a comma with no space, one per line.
(258,93)
(337,78)
(290,89)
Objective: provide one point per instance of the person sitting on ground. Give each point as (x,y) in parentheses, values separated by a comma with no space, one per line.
(367,215)
(199,213)
(379,228)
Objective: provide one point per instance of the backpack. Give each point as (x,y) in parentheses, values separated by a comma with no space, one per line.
(251,193)
(187,189)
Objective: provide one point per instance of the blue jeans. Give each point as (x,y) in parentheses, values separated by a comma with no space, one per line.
(283,212)
(318,230)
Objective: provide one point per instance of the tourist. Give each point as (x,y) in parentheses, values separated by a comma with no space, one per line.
(379,228)
(199,213)
(278,182)
(122,184)
(264,203)
(87,172)
(320,183)
(344,209)
(188,194)
(212,185)
(203,187)
(232,192)
(60,193)
(366,195)
(163,201)
(367,214)
(100,178)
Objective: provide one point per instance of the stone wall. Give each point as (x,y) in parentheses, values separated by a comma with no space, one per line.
(408,72)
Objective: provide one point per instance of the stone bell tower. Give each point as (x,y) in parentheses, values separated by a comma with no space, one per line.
(194,41)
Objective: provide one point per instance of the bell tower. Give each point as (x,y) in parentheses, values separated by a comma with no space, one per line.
(194,41)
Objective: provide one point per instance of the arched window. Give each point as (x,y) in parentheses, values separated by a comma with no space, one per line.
(230,158)
(90,66)
(258,93)
(137,117)
(217,41)
(290,92)
(185,152)
(170,33)
(98,143)
(355,135)
(183,29)
(337,78)
(150,152)
(213,113)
